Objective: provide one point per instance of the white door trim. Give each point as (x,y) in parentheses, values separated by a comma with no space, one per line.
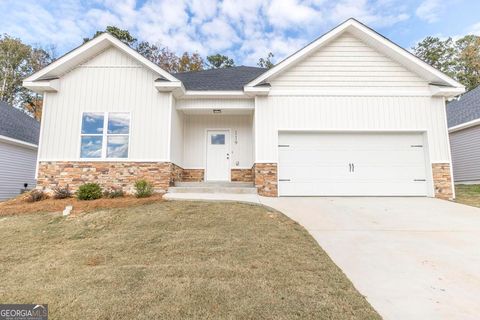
(229,150)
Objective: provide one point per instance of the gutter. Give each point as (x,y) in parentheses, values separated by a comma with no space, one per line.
(464,125)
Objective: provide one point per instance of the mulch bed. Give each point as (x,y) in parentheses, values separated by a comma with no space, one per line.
(20,204)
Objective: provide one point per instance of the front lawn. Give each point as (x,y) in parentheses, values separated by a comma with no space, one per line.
(172,260)
(468,194)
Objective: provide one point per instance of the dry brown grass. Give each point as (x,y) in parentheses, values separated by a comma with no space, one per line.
(20,205)
(173,260)
(468,194)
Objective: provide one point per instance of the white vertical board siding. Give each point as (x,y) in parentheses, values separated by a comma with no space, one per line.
(195,139)
(348,85)
(177,139)
(17,166)
(347,63)
(112,57)
(276,113)
(465,148)
(113,82)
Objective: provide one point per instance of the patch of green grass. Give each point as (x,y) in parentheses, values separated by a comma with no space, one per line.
(468,194)
(173,260)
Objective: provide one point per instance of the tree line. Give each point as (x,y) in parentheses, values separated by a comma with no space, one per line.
(169,61)
(459,58)
(19,60)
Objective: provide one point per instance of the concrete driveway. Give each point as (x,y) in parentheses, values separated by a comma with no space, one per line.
(413,258)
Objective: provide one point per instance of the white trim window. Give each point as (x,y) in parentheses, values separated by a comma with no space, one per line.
(105,135)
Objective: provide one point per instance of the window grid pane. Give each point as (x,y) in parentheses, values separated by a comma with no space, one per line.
(91,147)
(92,123)
(117,146)
(118,123)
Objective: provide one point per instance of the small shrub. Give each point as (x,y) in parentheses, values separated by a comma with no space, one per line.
(61,193)
(113,193)
(89,191)
(143,189)
(36,195)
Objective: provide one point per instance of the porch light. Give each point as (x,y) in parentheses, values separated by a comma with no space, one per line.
(217,111)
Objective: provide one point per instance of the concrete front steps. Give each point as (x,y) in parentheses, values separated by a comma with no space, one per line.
(214,187)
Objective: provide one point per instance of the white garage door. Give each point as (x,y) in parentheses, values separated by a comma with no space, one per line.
(351,164)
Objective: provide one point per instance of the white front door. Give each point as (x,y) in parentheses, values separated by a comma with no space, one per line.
(218,155)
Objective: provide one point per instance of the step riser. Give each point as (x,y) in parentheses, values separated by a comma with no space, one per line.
(215,184)
(212,190)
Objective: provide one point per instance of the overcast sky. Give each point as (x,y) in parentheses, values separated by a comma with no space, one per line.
(243,29)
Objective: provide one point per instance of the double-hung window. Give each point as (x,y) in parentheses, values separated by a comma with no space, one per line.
(105,135)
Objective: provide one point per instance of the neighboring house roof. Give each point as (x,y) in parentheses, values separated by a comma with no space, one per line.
(223,79)
(374,39)
(465,109)
(15,124)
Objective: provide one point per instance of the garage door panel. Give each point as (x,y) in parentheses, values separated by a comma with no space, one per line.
(296,155)
(384,164)
(411,152)
(313,171)
(343,160)
(339,188)
(394,156)
(361,174)
(345,138)
(388,173)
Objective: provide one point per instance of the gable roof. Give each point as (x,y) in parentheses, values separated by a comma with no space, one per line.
(223,79)
(89,49)
(373,39)
(465,109)
(250,80)
(15,124)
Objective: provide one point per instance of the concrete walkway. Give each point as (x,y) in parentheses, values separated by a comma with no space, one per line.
(413,258)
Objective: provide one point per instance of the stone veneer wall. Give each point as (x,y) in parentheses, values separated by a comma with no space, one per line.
(442,181)
(107,174)
(176,174)
(161,174)
(242,175)
(193,175)
(265,175)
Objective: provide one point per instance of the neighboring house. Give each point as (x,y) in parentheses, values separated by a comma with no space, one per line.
(350,114)
(18,150)
(464,128)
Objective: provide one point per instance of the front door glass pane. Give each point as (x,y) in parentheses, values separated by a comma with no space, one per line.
(218,139)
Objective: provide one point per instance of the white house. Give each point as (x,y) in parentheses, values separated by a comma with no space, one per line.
(350,114)
(18,150)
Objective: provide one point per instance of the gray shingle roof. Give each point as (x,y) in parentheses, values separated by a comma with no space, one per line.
(466,109)
(17,125)
(233,78)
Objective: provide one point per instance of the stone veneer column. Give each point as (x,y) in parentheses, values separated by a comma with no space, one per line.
(442,181)
(265,175)
(108,174)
